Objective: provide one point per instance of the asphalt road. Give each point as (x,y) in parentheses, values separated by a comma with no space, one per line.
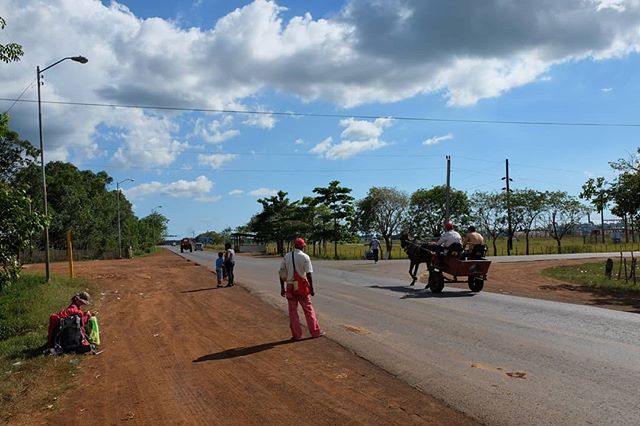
(501,359)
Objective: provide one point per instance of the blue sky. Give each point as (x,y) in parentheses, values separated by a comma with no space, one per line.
(536,61)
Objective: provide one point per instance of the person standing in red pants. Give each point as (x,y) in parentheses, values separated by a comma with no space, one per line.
(297,262)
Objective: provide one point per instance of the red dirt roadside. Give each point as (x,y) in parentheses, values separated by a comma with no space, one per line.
(178,351)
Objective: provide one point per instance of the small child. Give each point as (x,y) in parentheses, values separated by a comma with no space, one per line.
(219,268)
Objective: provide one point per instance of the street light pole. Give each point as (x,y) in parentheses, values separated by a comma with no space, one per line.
(118,203)
(82,60)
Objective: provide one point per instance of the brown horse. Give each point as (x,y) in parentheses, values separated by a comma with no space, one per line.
(417,252)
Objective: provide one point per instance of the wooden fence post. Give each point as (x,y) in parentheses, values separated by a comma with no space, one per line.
(70,253)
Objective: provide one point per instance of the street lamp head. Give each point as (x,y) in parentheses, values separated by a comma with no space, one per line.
(125,180)
(80,59)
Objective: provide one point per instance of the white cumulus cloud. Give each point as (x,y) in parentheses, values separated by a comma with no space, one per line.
(357,137)
(214,131)
(437,139)
(197,189)
(368,52)
(263,192)
(215,160)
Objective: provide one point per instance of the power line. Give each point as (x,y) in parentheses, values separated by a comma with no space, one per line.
(268,154)
(310,170)
(327,115)
(22,93)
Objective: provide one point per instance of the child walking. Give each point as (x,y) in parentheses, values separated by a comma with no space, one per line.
(220,268)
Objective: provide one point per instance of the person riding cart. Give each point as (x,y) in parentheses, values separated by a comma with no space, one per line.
(449,243)
(474,246)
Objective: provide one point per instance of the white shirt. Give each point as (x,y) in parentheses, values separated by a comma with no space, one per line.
(230,255)
(303,263)
(449,238)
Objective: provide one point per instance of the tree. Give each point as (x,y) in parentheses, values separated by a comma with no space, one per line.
(562,213)
(274,222)
(383,211)
(427,210)
(624,194)
(340,204)
(150,230)
(489,211)
(594,191)
(628,165)
(15,153)
(20,220)
(10,52)
(526,207)
(18,225)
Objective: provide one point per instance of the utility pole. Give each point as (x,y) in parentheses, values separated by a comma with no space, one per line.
(507,179)
(447,215)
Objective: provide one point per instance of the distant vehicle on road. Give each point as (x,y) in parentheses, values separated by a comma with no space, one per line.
(199,246)
(186,244)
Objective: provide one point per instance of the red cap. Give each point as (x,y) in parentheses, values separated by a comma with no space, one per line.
(448,226)
(299,243)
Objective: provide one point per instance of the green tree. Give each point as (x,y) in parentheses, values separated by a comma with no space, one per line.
(274,222)
(340,204)
(562,214)
(624,191)
(626,201)
(427,210)
(15,153)
(20,222)
(594,190)
(490,212)
(383,211)
(150,230)
(526,207)
(9,52)
(20,219)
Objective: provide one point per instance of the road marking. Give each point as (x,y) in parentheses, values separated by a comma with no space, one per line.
(356,329)
(512,374)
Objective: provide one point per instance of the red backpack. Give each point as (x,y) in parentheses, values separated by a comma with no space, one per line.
(301,285)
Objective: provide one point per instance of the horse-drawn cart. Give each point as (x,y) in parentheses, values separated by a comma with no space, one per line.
(452,268)
(447,268)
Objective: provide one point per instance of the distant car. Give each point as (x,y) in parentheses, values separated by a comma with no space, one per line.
(199,246)
(186,244)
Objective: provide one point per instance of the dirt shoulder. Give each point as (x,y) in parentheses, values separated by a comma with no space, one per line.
(518,279)
(177,350)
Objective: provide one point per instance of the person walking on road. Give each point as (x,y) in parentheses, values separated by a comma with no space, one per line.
(375,248)
(229,263)
(296,284)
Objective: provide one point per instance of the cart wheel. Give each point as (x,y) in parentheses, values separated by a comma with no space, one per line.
(476,284)
(436,281)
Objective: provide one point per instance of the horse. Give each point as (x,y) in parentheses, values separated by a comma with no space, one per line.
(418,253)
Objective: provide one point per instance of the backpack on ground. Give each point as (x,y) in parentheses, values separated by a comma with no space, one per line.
(71,336)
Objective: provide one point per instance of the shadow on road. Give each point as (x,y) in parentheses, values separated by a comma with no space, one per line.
(201,289)
(417,293)
(242,351)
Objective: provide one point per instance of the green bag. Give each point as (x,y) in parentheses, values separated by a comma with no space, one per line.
(93,331)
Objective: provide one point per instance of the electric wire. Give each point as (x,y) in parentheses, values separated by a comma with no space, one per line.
(22,93)
(225,170)
(329,115)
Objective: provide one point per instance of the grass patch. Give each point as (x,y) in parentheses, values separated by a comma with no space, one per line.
(29,380)
(592,275)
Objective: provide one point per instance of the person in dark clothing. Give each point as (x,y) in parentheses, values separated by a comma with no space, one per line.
(229,263)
